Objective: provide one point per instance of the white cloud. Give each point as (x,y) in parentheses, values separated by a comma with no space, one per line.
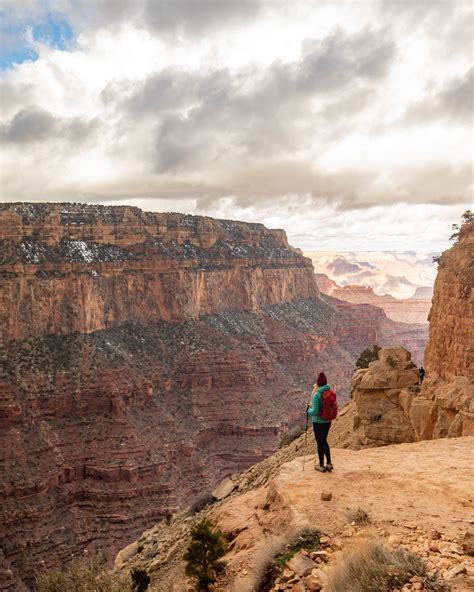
(257,110)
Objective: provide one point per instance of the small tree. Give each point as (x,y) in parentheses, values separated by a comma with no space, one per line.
(370,354)
(140,580)
(466,218)
(202,556)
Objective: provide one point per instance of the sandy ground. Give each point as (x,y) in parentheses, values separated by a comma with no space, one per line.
(407,490)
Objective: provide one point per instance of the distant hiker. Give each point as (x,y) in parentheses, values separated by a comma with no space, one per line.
(323,410)
(421,375)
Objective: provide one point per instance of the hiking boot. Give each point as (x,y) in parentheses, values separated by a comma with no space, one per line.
(320,468)
(329,467)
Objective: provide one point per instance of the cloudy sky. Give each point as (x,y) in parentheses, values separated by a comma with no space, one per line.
(348,124)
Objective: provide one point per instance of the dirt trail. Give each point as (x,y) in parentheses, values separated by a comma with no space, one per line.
(408,490)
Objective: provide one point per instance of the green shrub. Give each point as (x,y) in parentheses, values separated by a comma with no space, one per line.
(370,354)
(307,539)
(290,436)
(373,568)
(466,218)
(202,556)
(140,579)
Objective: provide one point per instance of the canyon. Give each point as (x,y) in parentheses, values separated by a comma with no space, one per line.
(413,310)
(401,274)
(402,454)
(145,357)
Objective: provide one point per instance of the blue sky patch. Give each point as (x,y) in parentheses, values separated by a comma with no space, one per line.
(15,44)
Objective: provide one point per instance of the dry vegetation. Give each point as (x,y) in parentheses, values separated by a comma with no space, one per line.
(373,568)
(357,515)
(83,575)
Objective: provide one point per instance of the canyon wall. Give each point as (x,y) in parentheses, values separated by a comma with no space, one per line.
(449,357)
(78,268)
(144,358)
(391,406)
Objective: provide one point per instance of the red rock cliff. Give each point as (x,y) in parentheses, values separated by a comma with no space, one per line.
(83,268)
(449,352)
(449,357)
(146,357)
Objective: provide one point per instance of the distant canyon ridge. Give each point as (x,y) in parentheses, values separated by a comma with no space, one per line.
(405,310)
(145,357)
(402,275)
(399,283)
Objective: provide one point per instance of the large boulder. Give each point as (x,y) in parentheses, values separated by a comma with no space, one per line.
(444,410)
(383,395)
(393,408)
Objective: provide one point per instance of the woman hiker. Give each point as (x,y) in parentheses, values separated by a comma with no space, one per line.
(320,426)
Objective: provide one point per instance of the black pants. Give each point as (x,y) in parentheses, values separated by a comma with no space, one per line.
(321,431)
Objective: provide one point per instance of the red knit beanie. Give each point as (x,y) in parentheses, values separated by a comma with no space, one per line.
(322,380)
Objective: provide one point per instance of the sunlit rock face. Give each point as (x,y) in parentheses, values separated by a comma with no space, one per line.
(145,358)
(449,356)
(84,268)
(450,348)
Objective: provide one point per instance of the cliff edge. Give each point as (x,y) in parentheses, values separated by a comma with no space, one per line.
(416,497)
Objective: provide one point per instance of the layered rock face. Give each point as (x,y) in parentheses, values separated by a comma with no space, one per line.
(83,269)
(145,357)
(407,310)
(450,352)
(383,394)
(449,385)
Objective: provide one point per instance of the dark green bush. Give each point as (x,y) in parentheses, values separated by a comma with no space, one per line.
(370,354)
(202,556)
(140,579)
(466,218)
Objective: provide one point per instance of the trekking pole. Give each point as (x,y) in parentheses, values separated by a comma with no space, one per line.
(305,437)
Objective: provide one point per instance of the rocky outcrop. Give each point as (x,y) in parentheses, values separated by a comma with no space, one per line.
(449,353)
(325,284)
(382,394)
(145,358)
(448,409)
(393,408)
